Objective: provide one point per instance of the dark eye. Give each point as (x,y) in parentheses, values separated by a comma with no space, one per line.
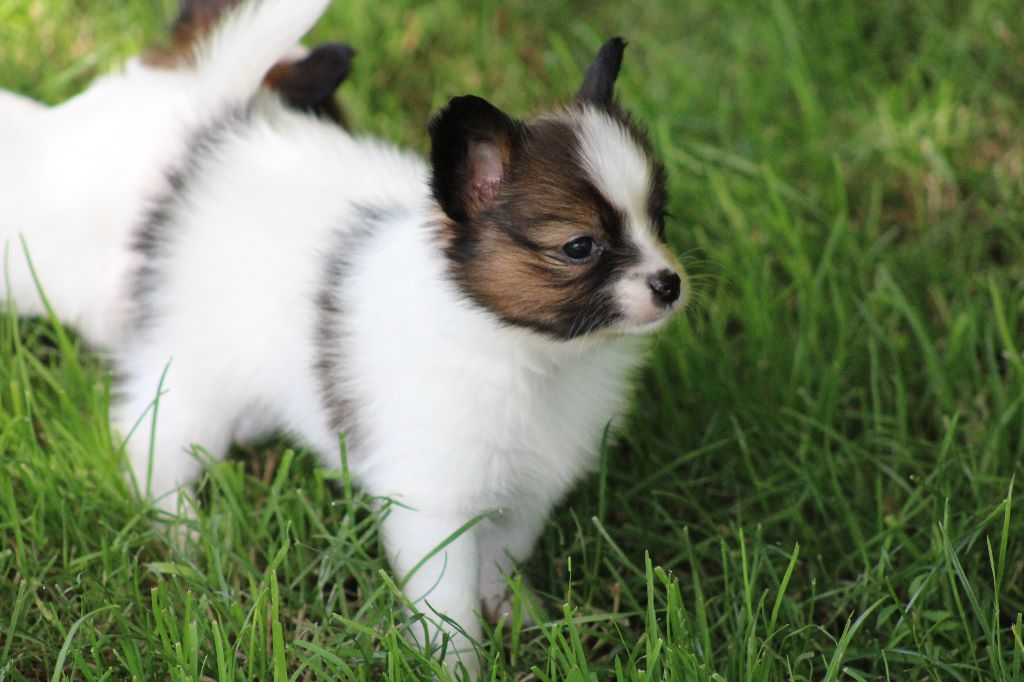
(580,248)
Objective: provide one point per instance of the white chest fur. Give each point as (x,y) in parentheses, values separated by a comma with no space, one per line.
(452,403)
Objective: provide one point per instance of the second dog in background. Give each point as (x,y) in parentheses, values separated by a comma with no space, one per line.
(78,178)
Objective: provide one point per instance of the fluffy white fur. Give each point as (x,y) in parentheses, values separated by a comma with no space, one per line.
(76,179)
(454,413)
(457,413)
(15,108)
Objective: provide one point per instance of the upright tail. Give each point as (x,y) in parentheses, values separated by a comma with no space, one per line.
(233,58)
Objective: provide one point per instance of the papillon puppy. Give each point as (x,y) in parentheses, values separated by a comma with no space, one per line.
(78,178)
(470,322)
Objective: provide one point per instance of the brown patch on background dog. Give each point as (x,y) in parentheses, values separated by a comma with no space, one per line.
(195,21)
(309,83)
(305,84)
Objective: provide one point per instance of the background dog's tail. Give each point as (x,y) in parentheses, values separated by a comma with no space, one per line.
(233,56)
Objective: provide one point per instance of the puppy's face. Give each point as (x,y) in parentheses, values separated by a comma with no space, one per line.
(557,224)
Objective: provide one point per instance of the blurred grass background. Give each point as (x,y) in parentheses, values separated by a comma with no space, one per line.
(817,480)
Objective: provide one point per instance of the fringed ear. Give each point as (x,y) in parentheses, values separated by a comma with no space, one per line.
(308,84)
(472,144)
(599,82)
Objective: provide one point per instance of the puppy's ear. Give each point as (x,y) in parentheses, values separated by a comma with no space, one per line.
(472,144)
(308,84)
(599,81)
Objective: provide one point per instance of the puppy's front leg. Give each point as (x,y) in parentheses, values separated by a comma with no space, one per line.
(438,578)
(506,539)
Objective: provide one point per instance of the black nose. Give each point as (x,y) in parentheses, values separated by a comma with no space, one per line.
(665,285)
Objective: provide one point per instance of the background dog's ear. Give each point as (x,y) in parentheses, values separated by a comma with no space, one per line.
(599,81)
(308,84)
(472,144)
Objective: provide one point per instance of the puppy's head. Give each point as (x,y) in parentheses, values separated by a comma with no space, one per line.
(557,224)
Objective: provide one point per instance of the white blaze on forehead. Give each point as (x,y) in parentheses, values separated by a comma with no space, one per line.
(623,173)
(617,165)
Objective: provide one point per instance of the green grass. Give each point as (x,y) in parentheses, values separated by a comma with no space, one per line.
(820,479)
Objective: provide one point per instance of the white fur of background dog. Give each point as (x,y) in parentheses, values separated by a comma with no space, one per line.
(76,178)
(299,278)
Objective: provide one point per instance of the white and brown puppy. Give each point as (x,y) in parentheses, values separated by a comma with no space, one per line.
(77,178)
(471,323)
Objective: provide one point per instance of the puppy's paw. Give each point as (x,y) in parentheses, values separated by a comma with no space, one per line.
(178,519)
(501,604)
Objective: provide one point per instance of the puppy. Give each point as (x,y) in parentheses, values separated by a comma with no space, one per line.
(470,322)
(80,175)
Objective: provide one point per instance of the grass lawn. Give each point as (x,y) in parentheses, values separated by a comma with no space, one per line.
(818,477)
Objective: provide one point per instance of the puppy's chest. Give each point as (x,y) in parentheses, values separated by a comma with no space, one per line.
(505,430)
(444,393)
(534,411)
